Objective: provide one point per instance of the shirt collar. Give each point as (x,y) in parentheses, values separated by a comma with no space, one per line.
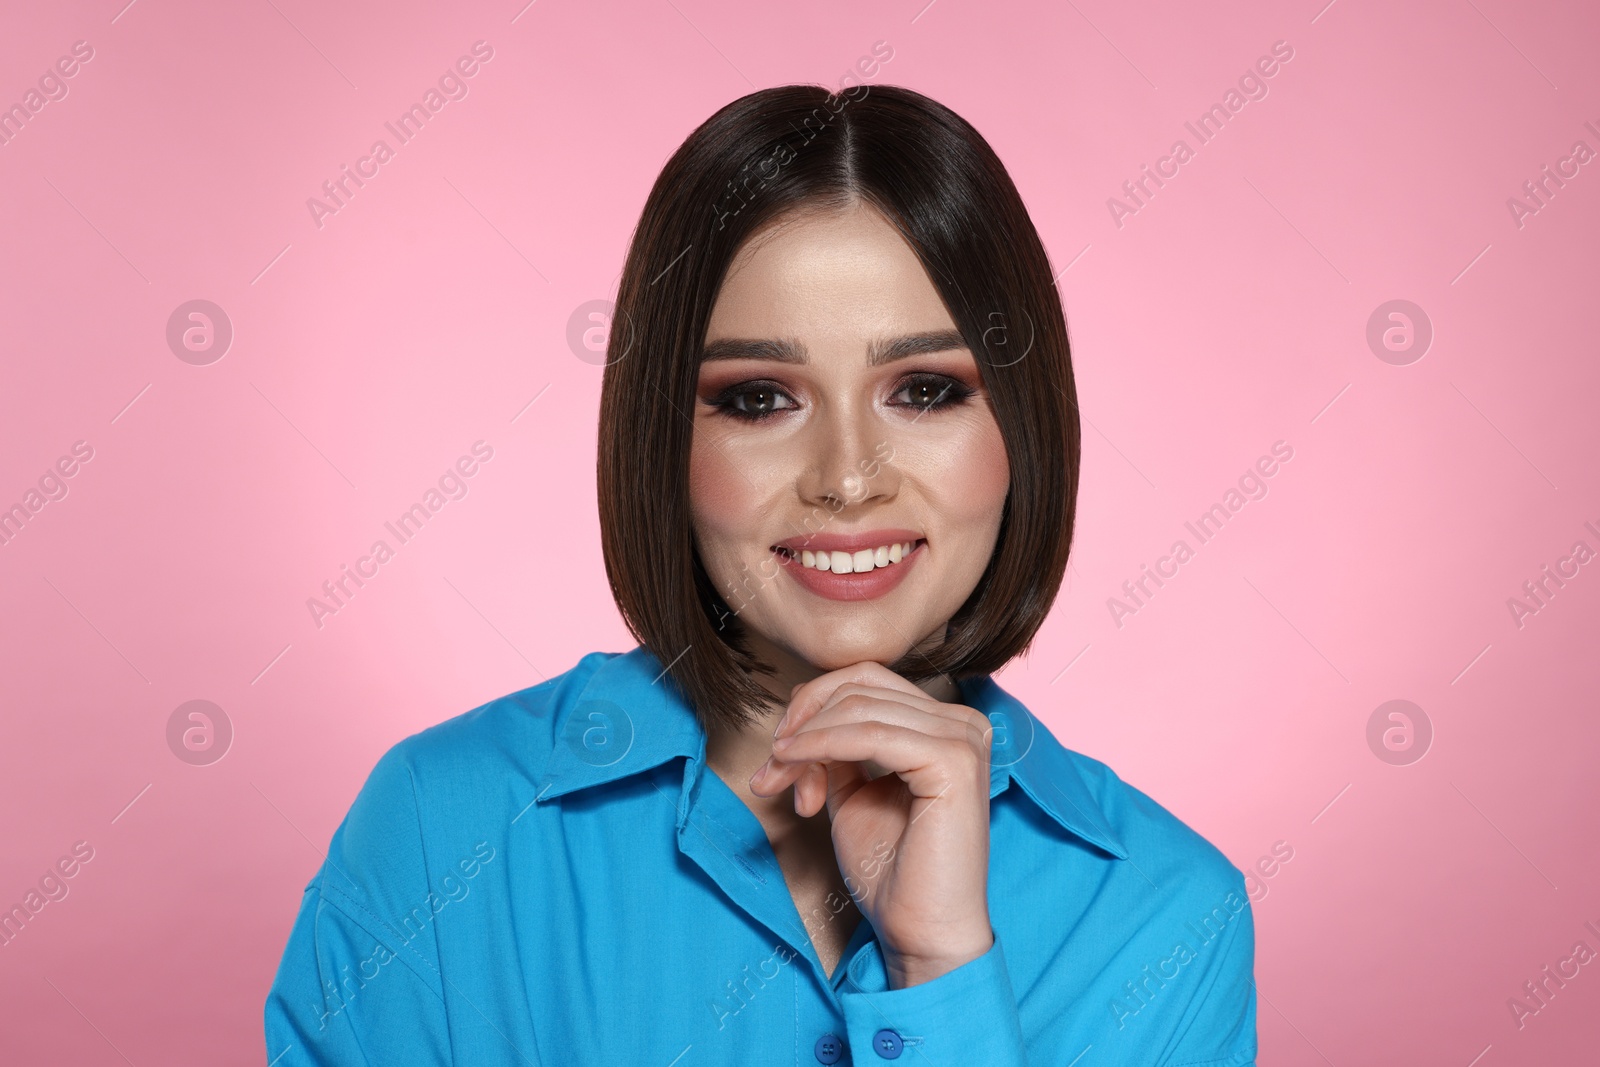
(627,718)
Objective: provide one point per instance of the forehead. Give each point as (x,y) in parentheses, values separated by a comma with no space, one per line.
(846,274)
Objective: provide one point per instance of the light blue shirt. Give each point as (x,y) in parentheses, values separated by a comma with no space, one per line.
(555,879)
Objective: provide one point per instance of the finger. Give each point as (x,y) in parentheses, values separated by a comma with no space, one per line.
(862,704)
(863,708)
(796,718)
(812,789)
(840,782)
(925,762)
(815,693)
(888,723)
(828,785)
(802,710)
(822,784)
(867,672)
(809,777)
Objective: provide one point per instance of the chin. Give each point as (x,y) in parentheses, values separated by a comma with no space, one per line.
(834,655)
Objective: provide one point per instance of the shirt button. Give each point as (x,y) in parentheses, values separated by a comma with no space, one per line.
(830,1047)
(888,1044)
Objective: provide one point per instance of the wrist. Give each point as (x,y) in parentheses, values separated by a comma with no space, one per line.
(905,971)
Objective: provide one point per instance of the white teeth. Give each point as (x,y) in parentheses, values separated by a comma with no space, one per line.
(857,562)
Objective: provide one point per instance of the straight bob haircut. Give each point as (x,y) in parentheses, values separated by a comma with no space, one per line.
(784,153)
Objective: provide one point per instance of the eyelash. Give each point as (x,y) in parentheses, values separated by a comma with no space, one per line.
(950,393)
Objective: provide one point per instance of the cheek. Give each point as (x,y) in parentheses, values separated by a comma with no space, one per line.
(712,502)
(723,503)
(970,474)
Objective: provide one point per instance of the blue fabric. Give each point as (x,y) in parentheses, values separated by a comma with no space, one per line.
(544,882)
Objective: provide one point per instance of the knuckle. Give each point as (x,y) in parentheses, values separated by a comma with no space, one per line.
(875,731)
(975,752)
(855,704)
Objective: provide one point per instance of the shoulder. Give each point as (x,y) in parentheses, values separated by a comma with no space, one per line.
(1145,843)
(1192,957)
(466,770)
(513,733)
(1157,917)
(1167,850)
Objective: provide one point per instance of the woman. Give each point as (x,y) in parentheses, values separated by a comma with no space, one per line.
(839,447)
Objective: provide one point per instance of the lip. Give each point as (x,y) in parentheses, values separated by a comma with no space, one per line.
(877,582)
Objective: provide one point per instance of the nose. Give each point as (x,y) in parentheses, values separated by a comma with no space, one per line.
(844,462)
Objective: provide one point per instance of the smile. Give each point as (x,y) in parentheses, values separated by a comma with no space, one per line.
(866,559)
(861,574)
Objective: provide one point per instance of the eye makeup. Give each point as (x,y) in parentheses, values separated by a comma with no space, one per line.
(937,392)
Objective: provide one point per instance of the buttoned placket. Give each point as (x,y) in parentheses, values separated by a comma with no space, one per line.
(720,833)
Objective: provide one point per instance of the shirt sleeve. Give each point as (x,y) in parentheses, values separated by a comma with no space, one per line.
(359,980)
(965,1016)
(1219,1027)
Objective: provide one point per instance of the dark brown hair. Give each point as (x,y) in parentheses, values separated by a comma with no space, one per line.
(771,156)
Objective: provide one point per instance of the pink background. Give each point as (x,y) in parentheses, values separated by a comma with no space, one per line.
(1229,312)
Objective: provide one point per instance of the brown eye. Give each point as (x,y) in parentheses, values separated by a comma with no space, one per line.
(751,401)
(757,401)
(930,392)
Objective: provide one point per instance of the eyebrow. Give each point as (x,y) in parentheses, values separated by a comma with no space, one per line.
(783,350)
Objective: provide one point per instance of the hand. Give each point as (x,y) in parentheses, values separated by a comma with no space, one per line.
(913,844)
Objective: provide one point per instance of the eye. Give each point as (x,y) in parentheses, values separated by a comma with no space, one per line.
(931,392)
(751,401)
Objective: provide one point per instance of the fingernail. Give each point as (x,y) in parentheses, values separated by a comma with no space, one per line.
(761,771)
(778,729)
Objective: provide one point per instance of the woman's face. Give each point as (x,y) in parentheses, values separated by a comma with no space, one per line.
(838,412)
